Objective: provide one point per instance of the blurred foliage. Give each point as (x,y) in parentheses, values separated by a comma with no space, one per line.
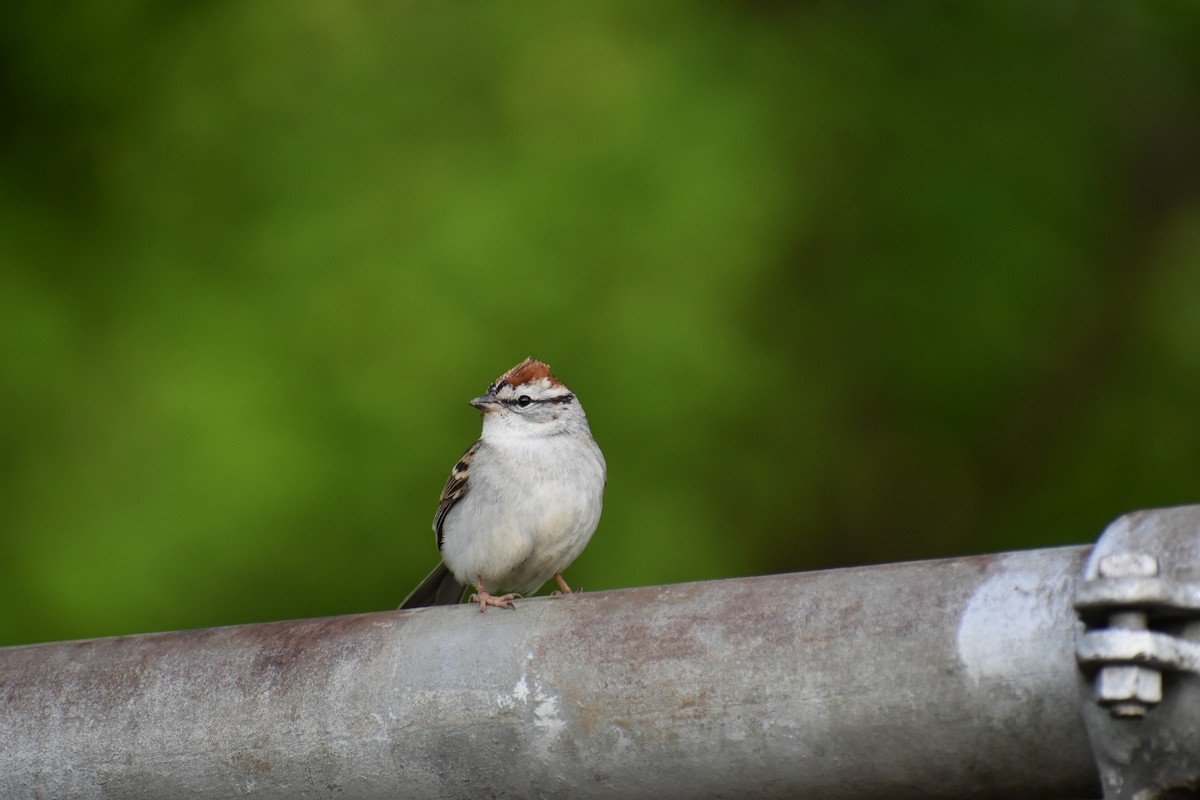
(835,285)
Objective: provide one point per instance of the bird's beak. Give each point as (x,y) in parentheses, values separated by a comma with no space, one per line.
(487,403)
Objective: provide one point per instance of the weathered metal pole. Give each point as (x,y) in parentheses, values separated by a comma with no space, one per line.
(952,678)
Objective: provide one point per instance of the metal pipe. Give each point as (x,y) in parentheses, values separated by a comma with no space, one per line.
(952,678)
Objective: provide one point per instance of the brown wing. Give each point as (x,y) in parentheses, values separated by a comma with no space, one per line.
(456,489)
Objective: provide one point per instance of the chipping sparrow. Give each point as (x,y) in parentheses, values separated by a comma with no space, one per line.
(523,501)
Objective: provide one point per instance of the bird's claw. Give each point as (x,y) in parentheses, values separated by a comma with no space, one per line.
(499,601)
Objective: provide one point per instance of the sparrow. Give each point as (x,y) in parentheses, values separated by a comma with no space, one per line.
(523,501)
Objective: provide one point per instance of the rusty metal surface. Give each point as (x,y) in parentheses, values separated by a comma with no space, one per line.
(952,678)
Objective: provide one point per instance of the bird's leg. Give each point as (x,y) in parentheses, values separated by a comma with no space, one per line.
(562,584)
(484,599)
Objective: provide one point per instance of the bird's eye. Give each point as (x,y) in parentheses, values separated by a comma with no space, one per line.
(524,400)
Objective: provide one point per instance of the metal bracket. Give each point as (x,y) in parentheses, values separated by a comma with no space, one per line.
(1140,604)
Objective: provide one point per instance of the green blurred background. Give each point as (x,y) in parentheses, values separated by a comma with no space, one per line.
(835,286)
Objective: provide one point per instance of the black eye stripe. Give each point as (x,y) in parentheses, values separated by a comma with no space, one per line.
(566,398)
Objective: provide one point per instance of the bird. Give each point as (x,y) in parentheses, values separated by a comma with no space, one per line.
(523,501)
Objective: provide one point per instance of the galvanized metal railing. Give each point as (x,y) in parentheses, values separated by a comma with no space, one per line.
(949,678)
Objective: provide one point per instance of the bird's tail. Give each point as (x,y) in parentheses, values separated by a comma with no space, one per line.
(441,588)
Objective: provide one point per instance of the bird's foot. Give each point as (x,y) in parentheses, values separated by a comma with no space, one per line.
(562,585)
(499,601)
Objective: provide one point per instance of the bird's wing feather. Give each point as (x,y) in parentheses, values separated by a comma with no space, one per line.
(455,490)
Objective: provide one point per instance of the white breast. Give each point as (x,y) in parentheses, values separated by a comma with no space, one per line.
(531,507)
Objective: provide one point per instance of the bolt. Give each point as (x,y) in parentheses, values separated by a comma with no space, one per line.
(1128,690)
